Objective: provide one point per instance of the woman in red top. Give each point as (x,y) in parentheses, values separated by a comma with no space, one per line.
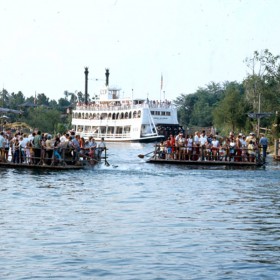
(172,141)
(168,148)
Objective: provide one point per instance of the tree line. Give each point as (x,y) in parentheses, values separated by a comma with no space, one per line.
(39,111)
(250,105)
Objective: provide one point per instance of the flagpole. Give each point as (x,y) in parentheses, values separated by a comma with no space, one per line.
(161,84)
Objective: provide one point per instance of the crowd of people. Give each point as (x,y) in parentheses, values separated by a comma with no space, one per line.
(45,149)
(207,147)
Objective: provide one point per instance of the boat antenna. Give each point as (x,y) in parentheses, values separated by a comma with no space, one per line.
(86,85)
(161,86)
(107,76)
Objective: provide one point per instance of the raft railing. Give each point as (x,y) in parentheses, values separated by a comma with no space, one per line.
(204,154)
(59,156)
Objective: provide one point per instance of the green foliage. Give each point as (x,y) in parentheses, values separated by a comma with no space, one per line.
(15,100)
(230,112)
(226,107)
(43,118)
(196,109)
(42,99)
(39,111)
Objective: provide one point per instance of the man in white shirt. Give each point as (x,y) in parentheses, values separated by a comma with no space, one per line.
(203,141)
(100,148)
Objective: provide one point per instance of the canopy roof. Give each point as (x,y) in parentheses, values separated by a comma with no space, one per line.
(7,110)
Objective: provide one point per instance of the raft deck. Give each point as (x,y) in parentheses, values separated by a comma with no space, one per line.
(36,166)
(208,163)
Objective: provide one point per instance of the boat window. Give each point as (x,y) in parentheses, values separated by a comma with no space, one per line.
(119,129)
(114,116)
(104,116)
(168,113)
(87,129)
(103,129)
(129,116)
(163,113)
(139,114)
(127,129)
(152,112)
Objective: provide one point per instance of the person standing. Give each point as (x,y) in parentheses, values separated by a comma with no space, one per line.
(264,145)
(37,147)
(100,148)
(202,141)
(2,146)
(7,146)
(16,157)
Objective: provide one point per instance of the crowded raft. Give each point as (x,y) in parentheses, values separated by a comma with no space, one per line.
(203,148)
(42,150)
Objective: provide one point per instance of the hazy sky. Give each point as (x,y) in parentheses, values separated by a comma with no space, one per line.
(45,45)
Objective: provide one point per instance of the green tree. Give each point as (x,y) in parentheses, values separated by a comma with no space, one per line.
(196,109)
(230,112)
(63,102)
(5,96)
(42,99)
(44,119)
(185,105)
(15,100)
(262,85)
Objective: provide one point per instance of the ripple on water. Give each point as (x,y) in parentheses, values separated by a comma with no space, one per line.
(140,221)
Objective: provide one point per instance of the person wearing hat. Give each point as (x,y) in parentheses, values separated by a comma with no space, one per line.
(264,145)
(250,137)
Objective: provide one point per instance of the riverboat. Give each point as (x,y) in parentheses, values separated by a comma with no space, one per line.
(200,157)
(119,119)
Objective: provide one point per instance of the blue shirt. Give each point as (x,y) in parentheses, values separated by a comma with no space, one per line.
(263,141)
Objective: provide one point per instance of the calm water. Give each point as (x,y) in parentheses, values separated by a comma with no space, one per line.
(134,220)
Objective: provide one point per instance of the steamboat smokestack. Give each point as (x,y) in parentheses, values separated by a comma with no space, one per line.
(107,77)
(86,85)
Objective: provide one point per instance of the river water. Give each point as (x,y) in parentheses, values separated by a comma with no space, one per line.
(134,220)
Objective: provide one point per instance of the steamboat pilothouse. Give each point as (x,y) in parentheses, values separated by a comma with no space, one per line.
(123,119)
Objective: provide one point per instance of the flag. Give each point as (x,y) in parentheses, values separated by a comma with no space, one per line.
(161,82)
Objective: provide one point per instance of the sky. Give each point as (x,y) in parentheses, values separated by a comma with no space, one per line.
(45,45)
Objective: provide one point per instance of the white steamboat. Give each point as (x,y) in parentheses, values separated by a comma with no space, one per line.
(123,119)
